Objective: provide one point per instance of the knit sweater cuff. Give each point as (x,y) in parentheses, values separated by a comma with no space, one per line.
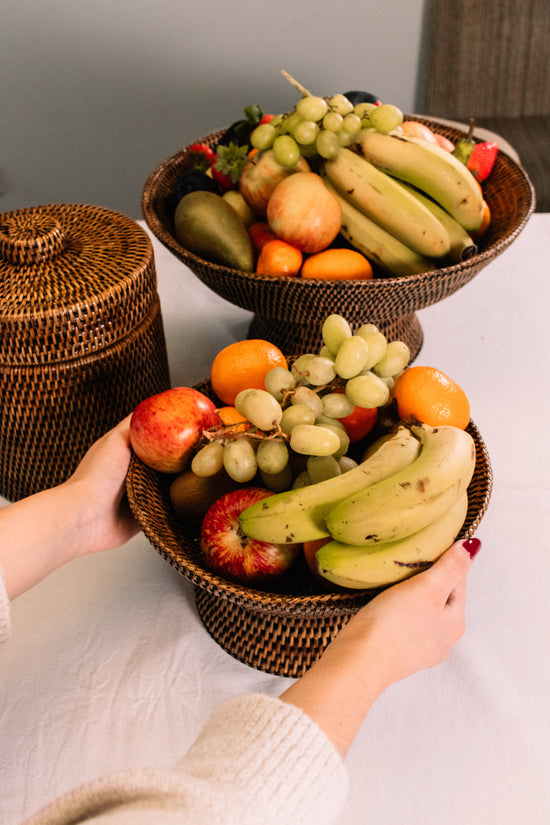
(5,621)
(276,760)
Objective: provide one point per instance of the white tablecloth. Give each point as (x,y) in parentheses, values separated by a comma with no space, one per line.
(110,667)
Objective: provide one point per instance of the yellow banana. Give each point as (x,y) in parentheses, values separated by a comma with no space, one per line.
(431,169)
(299,515)
(387,202)
(411,499)
(376,244)
(360,567)
(462,245)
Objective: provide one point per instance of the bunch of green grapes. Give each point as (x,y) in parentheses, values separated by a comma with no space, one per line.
(321,126)
(300,410)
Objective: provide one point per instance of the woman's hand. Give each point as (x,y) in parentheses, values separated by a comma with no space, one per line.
(409,627)
(99,484)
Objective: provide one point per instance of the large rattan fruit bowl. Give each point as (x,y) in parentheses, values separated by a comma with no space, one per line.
(283,630)
(288,311)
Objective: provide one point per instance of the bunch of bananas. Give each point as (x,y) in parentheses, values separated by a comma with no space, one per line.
(390,516)
(407,205)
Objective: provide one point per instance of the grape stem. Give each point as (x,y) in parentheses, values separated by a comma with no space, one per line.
(229,433)
(293,82)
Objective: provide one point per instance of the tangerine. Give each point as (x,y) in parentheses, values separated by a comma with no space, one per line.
(337,264)
(279,258)
(231,417)
(244,365)
(432,397)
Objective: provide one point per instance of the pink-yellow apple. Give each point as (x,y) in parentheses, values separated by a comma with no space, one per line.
(302,212)
(165,428)
(261,175)
(232,554)
(413,128)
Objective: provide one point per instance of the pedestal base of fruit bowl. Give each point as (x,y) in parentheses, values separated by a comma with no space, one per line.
(293,337)
(284,647)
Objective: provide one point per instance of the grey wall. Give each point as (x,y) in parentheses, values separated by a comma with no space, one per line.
(95,93)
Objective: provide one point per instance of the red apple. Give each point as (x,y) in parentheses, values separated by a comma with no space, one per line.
(261,175)
(302,212)
(165,428)
(234,555)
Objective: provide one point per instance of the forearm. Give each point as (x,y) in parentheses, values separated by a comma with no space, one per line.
(40,533)
(338,691)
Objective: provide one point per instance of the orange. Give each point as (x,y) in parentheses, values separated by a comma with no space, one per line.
(432,397)
(232,418)
(279,258)
(337,265)
(243,365)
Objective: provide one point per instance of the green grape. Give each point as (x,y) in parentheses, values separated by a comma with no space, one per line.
(322,467)
(208,460)
(278,381)
(329,421)
(394,360)
(345,139)
(301,365)
(327,145)
(336,405)
(263,136)
(272,456)
(389,382)
(385,118)
(367,390)
(305,132)
(301,480)
(277,121)
(286,151)
(351,357)
(312,108)
(324,352)
(363,110)
(376,343)
(334,331)
(320,371)
(304,395)
(351,124)
(346,463)
(332,121)
(239,460)
(294,415)
(341,104)
(261,409)
(278,482)
(310,439)
(290,120)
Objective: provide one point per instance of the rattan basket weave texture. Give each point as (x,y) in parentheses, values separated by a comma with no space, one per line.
(283,631)
(289,311)
(82,339)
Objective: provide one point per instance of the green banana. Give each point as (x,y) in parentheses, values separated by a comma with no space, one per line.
(299,515)
(387,202)
(431,169)
(360,567)
(411,499)
(378,245)
(462,245)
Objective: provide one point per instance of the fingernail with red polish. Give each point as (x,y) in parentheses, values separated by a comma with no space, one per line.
(472,546)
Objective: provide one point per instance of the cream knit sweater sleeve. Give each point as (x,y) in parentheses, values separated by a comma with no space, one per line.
(257,760)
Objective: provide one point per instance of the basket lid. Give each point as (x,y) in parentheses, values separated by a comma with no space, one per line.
(73,280)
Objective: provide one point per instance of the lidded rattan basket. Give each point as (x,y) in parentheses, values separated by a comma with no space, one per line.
(81,336)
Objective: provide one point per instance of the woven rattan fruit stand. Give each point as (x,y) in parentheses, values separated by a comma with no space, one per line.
(81,337)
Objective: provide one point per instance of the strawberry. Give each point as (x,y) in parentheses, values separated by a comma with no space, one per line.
(228,165)
(482,159)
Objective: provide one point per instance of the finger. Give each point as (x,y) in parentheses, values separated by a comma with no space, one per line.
(452,566)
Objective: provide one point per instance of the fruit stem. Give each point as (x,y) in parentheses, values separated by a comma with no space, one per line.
(293,82)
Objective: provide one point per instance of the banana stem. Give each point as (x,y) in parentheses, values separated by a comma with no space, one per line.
(293,82)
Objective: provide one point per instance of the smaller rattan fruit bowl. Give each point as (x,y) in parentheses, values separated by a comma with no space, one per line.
(282,631)
(288,311)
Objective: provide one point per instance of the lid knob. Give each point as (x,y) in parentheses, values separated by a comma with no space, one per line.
(29,238)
